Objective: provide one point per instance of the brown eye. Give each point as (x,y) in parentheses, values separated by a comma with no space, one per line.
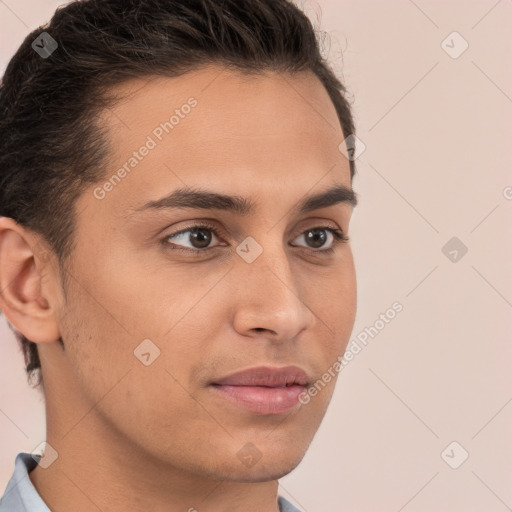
(198,237)
(316,238)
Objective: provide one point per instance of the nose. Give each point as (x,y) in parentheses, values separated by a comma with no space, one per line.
(269,300)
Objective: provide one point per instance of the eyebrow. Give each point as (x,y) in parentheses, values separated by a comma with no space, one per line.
(207,200)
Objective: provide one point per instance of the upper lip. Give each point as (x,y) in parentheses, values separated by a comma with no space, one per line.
(266,376)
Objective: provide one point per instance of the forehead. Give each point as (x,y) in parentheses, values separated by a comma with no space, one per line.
(230,94)
(252,134)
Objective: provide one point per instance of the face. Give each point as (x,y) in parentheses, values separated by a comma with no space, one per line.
(164,301)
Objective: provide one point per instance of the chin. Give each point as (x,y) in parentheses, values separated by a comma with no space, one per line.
(264,470)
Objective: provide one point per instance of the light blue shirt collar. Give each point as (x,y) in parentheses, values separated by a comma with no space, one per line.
(21,496)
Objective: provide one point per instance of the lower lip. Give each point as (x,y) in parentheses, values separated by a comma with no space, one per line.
(262,400)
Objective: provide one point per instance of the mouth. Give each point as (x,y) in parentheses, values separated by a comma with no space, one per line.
(264,390)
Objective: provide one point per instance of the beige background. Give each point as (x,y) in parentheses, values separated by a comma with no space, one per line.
(437,164)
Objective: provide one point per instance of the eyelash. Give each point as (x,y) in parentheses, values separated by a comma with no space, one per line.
(339,238)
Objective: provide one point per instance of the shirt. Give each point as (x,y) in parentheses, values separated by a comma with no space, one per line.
(21,496)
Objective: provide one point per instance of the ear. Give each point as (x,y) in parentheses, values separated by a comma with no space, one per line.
(28,283)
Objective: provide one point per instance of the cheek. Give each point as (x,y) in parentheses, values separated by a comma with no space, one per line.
(97,328)
(335,301)
(133,397)
(97,348)
(151,295)
(122,300)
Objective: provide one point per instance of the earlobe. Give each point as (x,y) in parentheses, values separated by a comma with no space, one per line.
(26,300)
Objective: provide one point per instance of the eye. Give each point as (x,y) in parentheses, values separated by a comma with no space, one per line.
(323,235)
(199,236)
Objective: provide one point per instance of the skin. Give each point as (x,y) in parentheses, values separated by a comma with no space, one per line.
(135,437)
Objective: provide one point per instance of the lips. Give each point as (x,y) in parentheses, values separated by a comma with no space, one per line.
(263,390)
(266,376)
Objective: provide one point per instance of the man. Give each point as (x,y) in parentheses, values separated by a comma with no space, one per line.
(174,259)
